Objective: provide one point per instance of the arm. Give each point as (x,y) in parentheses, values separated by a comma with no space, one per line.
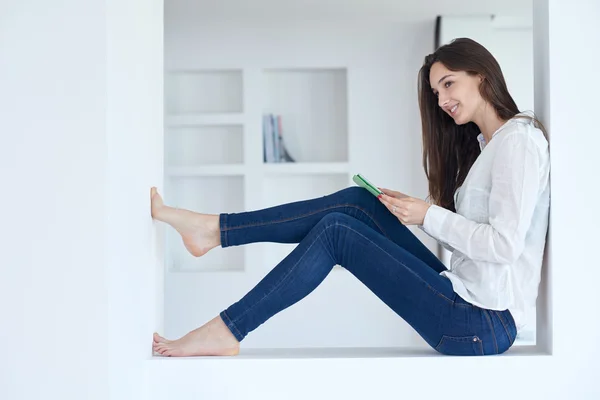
(443,244)
(512,201)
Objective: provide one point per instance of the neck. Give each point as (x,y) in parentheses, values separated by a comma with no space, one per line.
(488,122)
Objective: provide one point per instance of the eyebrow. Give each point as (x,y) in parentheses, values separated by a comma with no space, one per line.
(443,77)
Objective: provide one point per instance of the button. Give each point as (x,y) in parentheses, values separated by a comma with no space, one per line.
(475,338)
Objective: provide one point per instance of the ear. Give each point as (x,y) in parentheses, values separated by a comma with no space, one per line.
(481,78)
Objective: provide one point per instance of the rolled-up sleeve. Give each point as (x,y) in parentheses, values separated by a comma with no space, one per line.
(512,200)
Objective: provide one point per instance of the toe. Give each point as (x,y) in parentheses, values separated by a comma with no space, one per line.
(159,339)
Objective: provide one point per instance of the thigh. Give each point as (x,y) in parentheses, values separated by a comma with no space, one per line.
(416,292)
(367,208)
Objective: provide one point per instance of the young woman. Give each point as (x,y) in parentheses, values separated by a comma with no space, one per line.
(488,169)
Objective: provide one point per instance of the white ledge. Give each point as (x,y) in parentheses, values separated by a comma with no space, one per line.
(333,373)
(350,353)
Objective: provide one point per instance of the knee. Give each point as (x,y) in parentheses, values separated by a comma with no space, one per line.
(335,218)
(359,196)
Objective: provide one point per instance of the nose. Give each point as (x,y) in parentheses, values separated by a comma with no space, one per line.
(442,100)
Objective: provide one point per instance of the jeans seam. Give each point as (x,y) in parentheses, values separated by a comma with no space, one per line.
(317,239)
(325,244)
(512,318)
(307,214)
(504,325)
(480,342)
(457,304)
(230,324)
(224,229)
(404,265)
(486,313)
(282,279)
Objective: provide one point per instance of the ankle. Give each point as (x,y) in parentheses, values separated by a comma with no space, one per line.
(216,228)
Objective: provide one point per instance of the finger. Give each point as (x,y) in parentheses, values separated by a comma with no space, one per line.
(389,201)
(387,205)
(392,194)
(387,197)
(385,202)
(394,209)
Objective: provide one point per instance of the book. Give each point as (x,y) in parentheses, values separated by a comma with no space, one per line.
(274,149)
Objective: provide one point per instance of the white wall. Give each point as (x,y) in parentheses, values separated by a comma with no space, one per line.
(53,162)
(565,37)
(81,112)
(382,59)
(134,137)
(510,40)
(565,67)
(53,296)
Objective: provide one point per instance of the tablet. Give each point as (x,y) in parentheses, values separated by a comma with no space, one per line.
(364,182)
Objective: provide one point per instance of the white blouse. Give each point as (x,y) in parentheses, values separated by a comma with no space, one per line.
(498,233)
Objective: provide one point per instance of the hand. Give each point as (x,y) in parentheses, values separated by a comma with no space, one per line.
(393,193)
(408,210)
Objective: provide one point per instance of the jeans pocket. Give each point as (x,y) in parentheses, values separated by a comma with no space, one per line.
(460,346)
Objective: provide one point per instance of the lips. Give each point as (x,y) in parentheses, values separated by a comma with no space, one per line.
(452,110)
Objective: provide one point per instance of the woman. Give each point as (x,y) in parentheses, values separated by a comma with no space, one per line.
(487,166)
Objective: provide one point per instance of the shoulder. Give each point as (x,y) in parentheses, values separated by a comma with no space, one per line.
(523,131)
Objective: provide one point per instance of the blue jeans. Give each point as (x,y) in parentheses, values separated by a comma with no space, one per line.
(352,228)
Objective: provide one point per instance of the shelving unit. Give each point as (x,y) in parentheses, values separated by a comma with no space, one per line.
(214,149)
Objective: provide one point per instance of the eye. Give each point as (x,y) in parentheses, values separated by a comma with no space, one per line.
(447,84)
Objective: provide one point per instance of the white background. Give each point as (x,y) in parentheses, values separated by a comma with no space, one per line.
(80,288)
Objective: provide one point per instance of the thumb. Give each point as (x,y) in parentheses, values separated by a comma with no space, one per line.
(386,191)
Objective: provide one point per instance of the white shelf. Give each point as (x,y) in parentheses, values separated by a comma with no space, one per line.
(273,169)
(204,91)
(192,146)
(214,142)
(206,170)
(305,168)
(313,106)
(205,119)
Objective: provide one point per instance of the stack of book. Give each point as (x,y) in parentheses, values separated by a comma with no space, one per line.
(274,150)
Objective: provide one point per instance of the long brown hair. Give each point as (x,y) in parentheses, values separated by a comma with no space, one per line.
(449,150)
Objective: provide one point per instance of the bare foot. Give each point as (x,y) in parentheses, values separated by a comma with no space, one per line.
(200,232)
(211,339)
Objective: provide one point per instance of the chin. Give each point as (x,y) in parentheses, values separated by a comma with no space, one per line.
(461,120)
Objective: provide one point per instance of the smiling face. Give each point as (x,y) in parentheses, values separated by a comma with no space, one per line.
(457,92)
